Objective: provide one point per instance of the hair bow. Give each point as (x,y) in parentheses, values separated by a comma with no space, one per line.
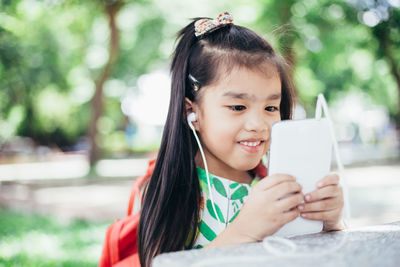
(203,26)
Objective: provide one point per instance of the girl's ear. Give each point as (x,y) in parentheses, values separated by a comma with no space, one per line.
(192,107)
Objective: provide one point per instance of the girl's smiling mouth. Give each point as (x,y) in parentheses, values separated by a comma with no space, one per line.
(252,146)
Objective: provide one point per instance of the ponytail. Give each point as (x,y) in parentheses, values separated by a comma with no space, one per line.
(170,205)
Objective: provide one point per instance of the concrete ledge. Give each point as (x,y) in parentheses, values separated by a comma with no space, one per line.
(377,245)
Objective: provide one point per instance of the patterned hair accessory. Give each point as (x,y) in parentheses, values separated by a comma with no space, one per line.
(203,26)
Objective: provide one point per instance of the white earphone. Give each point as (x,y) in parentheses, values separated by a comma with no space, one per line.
(191,118)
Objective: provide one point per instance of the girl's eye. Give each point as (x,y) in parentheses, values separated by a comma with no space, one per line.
(271,108)
(237,108)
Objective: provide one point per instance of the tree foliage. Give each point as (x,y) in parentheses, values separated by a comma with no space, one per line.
(53,53)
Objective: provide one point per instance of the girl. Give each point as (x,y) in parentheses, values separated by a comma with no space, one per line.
(237,86)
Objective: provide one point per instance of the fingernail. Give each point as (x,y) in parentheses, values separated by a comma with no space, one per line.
(303,215)
(319,184)
(308,197)
(301,207)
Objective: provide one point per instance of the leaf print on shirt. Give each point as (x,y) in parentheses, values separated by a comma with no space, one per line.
(234,216)
(240,193)
(235,206)
(204,181)
(212,213)
(204,187)
(233,185)
(219,186)
(206,231)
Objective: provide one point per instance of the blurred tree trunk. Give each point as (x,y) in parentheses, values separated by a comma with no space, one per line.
(111,10)
(381,33)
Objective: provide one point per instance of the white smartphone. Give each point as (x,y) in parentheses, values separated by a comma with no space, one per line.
(303,149)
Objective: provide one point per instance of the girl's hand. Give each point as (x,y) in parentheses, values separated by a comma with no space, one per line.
(325,204)
(271,204)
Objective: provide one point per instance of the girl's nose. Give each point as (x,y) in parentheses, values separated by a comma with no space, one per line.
(256,123)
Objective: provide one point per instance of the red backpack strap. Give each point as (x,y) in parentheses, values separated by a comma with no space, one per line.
(105,260)
(111,253)
(138,184)
(114,241)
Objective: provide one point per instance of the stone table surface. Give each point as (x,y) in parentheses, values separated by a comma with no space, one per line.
(377,245)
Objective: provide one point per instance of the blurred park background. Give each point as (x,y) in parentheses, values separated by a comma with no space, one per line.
(84,91)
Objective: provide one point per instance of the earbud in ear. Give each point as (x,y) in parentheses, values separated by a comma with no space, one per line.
(190,118)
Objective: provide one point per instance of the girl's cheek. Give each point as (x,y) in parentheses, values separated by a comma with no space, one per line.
(275,120)
(266,147)
(278,117)
(272,121)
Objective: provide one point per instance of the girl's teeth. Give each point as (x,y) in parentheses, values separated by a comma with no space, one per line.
(251,143)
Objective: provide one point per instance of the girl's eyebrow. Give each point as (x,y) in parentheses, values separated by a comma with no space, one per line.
(252,97)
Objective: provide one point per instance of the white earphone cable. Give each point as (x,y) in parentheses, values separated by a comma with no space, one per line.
(206,169)
(321,102)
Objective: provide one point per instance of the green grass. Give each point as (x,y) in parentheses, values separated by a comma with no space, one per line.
(33,240)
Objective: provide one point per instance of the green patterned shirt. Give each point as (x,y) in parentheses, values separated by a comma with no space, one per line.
(229,197)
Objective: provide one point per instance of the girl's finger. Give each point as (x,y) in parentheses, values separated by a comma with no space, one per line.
(283,189)
(323,193)
(290,202)
(330,179)
(322,205)
(273,180)
(289,216)
(321,215)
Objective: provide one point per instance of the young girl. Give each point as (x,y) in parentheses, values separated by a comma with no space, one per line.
(237,86)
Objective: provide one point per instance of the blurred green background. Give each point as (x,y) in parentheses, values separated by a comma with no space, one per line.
(84,90)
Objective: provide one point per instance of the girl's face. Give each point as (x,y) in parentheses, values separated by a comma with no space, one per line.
(234,118)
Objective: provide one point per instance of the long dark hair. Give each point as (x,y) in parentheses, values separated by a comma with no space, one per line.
(170,207)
